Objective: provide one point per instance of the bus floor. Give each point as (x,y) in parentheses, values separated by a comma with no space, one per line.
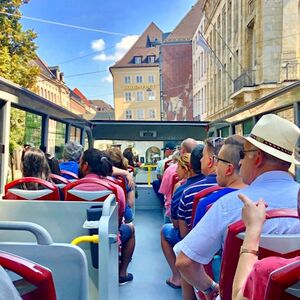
(148,265)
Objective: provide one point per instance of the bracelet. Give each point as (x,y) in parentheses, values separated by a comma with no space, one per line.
(210,289)
(244,250)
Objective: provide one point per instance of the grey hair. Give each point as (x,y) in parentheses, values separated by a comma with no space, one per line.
(72,151)
(233,145)
(189,144)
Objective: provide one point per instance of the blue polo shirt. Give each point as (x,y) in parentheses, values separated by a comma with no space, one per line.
(210,199)
(177,194)
(186,201)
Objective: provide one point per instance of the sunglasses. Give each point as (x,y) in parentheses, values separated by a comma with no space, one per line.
(216,141)
(242,152)
(217,159)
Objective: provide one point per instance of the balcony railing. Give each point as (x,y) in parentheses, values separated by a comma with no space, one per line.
(290,71)
(245,79)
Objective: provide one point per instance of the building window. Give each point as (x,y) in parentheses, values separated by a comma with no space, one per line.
(127,96)
(139,79)
(151,113)
(150,78)
(151,59)
(128,114)
(140,96)
(140,114)
(137,59)
(127,79)
(151,95)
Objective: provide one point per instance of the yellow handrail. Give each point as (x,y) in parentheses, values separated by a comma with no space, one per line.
(149,167)
(86,239)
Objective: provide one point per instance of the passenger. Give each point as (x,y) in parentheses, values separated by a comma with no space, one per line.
(168,151)
(35,164)
(71,155)
(127,153)
(189,167)
(264,165)
(121,162)
(52,161)
(96,164)
(251,276)
(212,147)
(227,170)
(166,184)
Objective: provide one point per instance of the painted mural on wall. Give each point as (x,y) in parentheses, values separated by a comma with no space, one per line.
(177,82)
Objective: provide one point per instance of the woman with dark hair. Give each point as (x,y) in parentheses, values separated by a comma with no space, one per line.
(97,164)
(119,161)
(35,164)
(127,153)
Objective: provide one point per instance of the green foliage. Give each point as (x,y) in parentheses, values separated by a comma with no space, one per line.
(17,129)
(17,46)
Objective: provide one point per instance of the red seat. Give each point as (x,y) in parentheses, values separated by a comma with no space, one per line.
(119,180)
(130,169)
(167,164)
(70,174)
(33,273)
(282,279)
(233,244)
(13,191)
(105,188)
(200,195)
(59,179)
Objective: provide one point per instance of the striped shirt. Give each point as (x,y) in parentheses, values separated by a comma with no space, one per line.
(186,201)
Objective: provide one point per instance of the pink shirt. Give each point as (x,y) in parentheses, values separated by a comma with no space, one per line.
(256,283)
(97,187)
(166,187)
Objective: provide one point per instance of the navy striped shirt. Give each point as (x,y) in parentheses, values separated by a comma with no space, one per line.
(186,201)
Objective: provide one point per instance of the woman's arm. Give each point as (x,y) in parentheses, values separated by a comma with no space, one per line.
(253,216)
(125,173)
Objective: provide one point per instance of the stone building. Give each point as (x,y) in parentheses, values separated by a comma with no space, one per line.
(252,49)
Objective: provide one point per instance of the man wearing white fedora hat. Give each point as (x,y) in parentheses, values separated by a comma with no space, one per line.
(268,154)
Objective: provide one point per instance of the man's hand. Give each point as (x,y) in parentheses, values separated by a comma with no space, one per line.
(253,214)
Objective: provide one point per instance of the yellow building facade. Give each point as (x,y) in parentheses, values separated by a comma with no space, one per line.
(137,93)
(136,79)
(253,50)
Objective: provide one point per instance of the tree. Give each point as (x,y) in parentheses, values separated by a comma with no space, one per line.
(17,53)
(18,49)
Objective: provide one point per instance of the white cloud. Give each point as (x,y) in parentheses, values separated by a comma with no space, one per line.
(108,78)
(120,48)
(98,45)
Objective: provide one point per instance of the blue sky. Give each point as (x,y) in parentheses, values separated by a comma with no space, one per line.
(79,51)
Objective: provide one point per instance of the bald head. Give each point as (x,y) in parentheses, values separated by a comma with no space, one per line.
(188,145)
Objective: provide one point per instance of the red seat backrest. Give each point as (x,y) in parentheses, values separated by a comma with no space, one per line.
(13,191)
(84,195)
(59,179)
(280,280)
(71,174)
(232,249)
(33,273)
(200,195)
(120,181)
(130,169)
(167,164)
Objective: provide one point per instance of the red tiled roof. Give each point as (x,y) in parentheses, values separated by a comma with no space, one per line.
(82,97)
(186,28)
(140,48)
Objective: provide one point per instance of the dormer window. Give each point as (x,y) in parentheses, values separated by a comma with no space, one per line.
(137,59)
(151,59)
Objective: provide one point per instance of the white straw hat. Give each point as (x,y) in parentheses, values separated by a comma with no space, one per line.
(276,136)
